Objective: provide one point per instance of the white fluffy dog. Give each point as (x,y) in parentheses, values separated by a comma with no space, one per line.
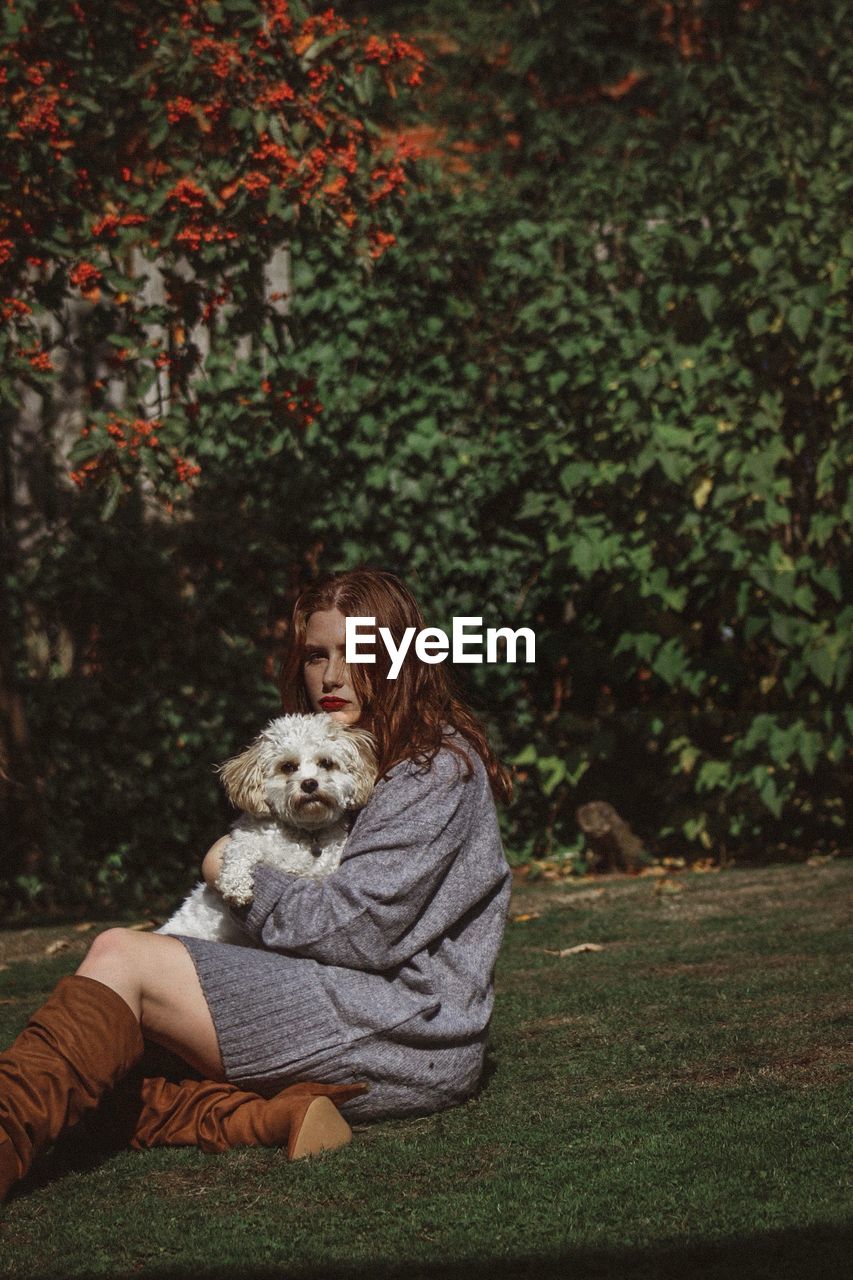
(297,784)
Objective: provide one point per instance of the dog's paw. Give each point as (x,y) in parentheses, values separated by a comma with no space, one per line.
(236,880)
(235,899)
(236,893)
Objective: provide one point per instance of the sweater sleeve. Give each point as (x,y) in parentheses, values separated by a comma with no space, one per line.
(382,905)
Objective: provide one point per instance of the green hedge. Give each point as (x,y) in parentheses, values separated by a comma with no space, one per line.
(597,389)
(625,381)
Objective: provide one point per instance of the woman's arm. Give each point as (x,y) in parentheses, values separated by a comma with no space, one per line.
(402,882)
(212,864)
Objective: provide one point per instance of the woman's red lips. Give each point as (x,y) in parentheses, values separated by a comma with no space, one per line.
(332,704)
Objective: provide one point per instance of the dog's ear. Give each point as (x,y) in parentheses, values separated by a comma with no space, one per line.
(243,778)
(364,765)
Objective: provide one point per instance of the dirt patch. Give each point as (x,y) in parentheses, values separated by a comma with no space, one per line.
(823,1014)
(737,966)
(170,1182)
(44,942)
(538,1026)
(542,895)
(487,1160)
(820,1065)
(41,944)
(732,891)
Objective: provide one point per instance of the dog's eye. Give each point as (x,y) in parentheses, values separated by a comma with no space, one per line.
(287,767)
(326,763)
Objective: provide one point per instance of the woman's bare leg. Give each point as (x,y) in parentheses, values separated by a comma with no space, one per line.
(154,974)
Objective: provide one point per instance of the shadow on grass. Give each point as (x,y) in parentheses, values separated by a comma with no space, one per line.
(810,1253)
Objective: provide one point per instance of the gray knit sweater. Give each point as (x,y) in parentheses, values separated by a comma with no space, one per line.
(384,970)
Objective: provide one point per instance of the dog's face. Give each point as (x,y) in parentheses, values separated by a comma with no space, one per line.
(305,770)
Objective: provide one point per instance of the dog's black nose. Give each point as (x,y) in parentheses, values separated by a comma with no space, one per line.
(310,784)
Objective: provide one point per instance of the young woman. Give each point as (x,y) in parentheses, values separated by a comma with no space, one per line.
(373,987)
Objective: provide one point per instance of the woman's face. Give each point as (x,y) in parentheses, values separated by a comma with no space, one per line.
(324,670)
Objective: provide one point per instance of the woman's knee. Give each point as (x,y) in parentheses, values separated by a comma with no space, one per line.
(156,976)
(111,950)
(111,960)
(154,962)
(142,960)
(109,943)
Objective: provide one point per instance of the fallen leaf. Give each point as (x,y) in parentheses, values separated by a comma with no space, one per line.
(522,916)
(576,950)
(84,927)
(53,948)
(668,885)
(652,871)
(143,926)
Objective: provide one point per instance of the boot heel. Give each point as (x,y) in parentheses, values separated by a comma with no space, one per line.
(323,1129)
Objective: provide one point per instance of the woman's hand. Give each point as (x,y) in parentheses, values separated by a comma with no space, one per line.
(212,864)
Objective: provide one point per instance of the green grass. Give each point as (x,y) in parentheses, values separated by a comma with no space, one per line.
(673,1105)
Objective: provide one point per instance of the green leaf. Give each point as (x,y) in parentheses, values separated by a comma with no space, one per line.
(762,259)
(809,744)
(365,85)
(159,132)
(319,46)
(758,321)
(670,661)
(574,772)
(712,775)
(585,555)
(553,772)
(771,798)
(114,489)
(799,319)
(709,299)
(828,579)
(829,657)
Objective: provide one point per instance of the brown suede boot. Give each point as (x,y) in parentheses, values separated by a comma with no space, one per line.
(216,1116)
(72,1050)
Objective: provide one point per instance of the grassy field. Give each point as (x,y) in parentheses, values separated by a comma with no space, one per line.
(670,1105)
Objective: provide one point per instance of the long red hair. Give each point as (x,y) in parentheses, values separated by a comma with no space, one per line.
(407,715)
